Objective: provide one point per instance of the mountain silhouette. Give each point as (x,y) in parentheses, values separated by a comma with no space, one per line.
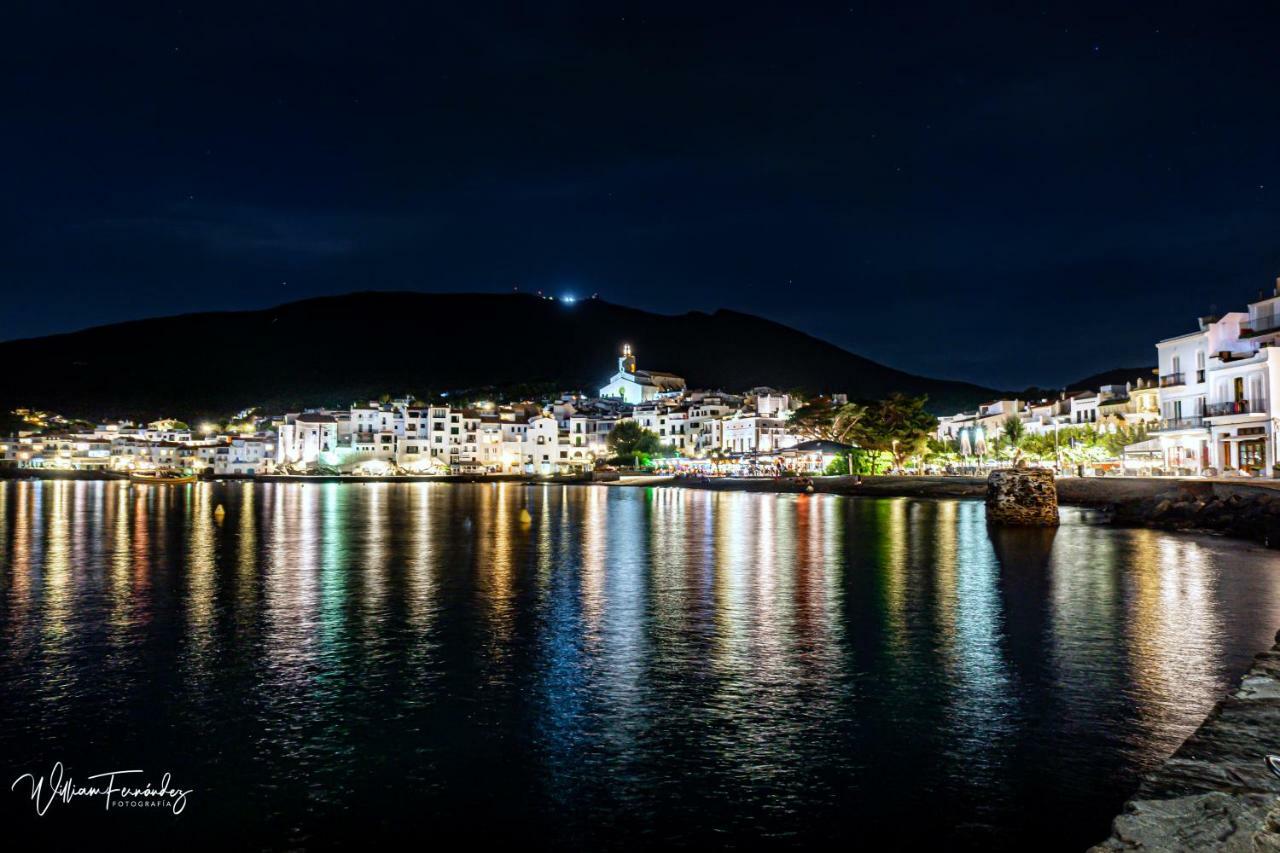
(333,350)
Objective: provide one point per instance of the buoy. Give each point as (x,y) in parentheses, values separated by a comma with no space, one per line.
(525,518)
(219,511)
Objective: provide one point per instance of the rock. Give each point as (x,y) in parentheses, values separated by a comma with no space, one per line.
(1251,515)
(1025,497)
(1268,838)
(1189,489)
(1216,792)
(1213,821)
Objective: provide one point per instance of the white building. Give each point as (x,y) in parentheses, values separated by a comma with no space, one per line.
(1243,385)
(251,454)
(637,386)
(754,433)
(548,449)
(1184,438)
(1045,416)
(304,437)
(1217,385)
(65,451)
(769,401)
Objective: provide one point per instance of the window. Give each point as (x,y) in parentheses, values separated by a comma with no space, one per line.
(1253,454)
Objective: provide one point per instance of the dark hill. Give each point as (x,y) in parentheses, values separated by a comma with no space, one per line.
(337,349)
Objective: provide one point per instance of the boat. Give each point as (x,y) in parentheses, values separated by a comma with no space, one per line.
(163,477)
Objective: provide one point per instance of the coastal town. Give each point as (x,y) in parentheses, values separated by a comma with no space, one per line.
(570,434)
(594,426)
(1206,410)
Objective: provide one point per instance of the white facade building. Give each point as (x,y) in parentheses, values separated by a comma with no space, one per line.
(304,437)
(1217,387)
(754,433)
(638,386)
(1184,439)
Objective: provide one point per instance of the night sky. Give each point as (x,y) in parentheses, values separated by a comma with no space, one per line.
(1008,198)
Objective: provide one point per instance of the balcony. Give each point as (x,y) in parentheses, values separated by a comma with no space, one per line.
(1236,407)
(1169,380)
(1260,325)
(1176,424)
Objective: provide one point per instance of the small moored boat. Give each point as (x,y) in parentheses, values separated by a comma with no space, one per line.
(166,477)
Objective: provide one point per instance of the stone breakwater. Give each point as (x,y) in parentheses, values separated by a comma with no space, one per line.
(1215,793)
(1022,497)
(1235,510)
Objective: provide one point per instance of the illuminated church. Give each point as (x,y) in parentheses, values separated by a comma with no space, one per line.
(636,386)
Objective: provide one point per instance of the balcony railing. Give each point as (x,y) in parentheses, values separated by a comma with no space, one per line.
(1260,325)
(1171,379)
(1236,407)
(1172,424)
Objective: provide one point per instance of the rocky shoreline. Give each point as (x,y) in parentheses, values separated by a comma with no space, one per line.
(1215,793)
(1248,513)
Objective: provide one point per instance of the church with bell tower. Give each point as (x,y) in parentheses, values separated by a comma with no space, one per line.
(636,386)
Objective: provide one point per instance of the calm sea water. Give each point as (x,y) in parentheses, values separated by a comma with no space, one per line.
(330,664)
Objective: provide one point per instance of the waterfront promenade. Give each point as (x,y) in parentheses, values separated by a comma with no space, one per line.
(1075,491)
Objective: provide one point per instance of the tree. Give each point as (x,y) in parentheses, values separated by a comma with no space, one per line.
(898,425)
(1014,431)
(630,439)
(1116,442)
(1076,445)
(822,419)
(941,451)
(863,462)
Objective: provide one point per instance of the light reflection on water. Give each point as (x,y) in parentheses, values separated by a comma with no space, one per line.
(326,661)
